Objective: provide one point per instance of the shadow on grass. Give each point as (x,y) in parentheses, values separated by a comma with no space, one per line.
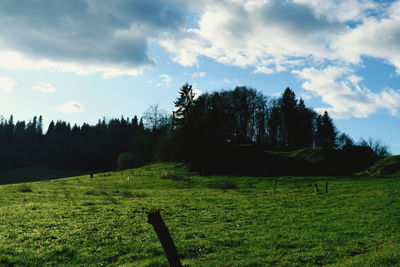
(33,174)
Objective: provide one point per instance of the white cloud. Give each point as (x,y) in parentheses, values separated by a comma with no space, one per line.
(266,35)
(85,36)
(263,69)
(71,107)
(7,84)
(226,80)
(344,94)
(198,74)
(44,87)
(271,36)
(197,93)
(375,37)
(165,80)
(306,96)
(184,51)
(340,10)
(17,61)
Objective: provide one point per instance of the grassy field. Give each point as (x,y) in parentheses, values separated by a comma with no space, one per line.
(214,221)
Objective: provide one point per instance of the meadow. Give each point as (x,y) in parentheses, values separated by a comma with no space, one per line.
(213,220)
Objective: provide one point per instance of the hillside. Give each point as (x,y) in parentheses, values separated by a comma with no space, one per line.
(214,220)
(387,166)
(253,160)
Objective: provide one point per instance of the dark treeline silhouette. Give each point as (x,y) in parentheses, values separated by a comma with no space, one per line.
(64,147)
(245,116)
(225,131)
(232,131)
(230,120)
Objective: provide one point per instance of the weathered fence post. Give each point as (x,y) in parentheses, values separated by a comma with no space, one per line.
(154,218)
(316,188)
(326,187)
(275,186)
(91,175)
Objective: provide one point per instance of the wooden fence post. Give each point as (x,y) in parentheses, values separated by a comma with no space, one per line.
(154,218)
(316,188)
(326,187)
(275,186)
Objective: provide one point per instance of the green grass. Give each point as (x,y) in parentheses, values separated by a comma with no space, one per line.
(214,220)
(389,166)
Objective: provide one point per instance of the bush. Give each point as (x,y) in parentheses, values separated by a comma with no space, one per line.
(25,189)
(175,177)
(125,161)
(224,185)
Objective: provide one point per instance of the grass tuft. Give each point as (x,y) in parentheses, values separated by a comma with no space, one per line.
(25,188)
(223,185)
(175,177)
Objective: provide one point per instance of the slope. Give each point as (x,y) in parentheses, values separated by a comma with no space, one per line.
(214,220)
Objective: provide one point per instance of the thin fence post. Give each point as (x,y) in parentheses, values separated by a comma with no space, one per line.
(326,187)
(274,186)
(154,218)
(316,188)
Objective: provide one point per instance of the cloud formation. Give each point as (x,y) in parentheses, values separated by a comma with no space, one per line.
(71,107)
(7,84)
(375,37)
(199,74)
(320,41)
(84,36)
(339,88)
(267,35)
(44,87)
(165,80)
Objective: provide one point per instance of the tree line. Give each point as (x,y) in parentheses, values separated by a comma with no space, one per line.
(212,131)
(201,129)
(83,147)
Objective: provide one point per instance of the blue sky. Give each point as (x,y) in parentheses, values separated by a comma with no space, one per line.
(81,60)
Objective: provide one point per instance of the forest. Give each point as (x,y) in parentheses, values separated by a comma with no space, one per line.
(205,131)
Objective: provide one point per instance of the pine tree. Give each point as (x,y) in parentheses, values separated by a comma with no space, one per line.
(329,130)
(50,129)
(289,122)
(39,126)
(326,133)
(184,103)
(305,125)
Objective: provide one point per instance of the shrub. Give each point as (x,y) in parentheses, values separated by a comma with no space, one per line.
(224,185)
(175,177)
(125,161)
(25,188)
(126,194)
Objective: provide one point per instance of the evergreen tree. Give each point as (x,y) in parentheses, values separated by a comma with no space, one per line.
(289,119)
(50,129)
(326,133)
(39,126)
(184,103)
(304,126)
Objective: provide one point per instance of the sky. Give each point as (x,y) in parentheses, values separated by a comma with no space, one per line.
(82,60)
